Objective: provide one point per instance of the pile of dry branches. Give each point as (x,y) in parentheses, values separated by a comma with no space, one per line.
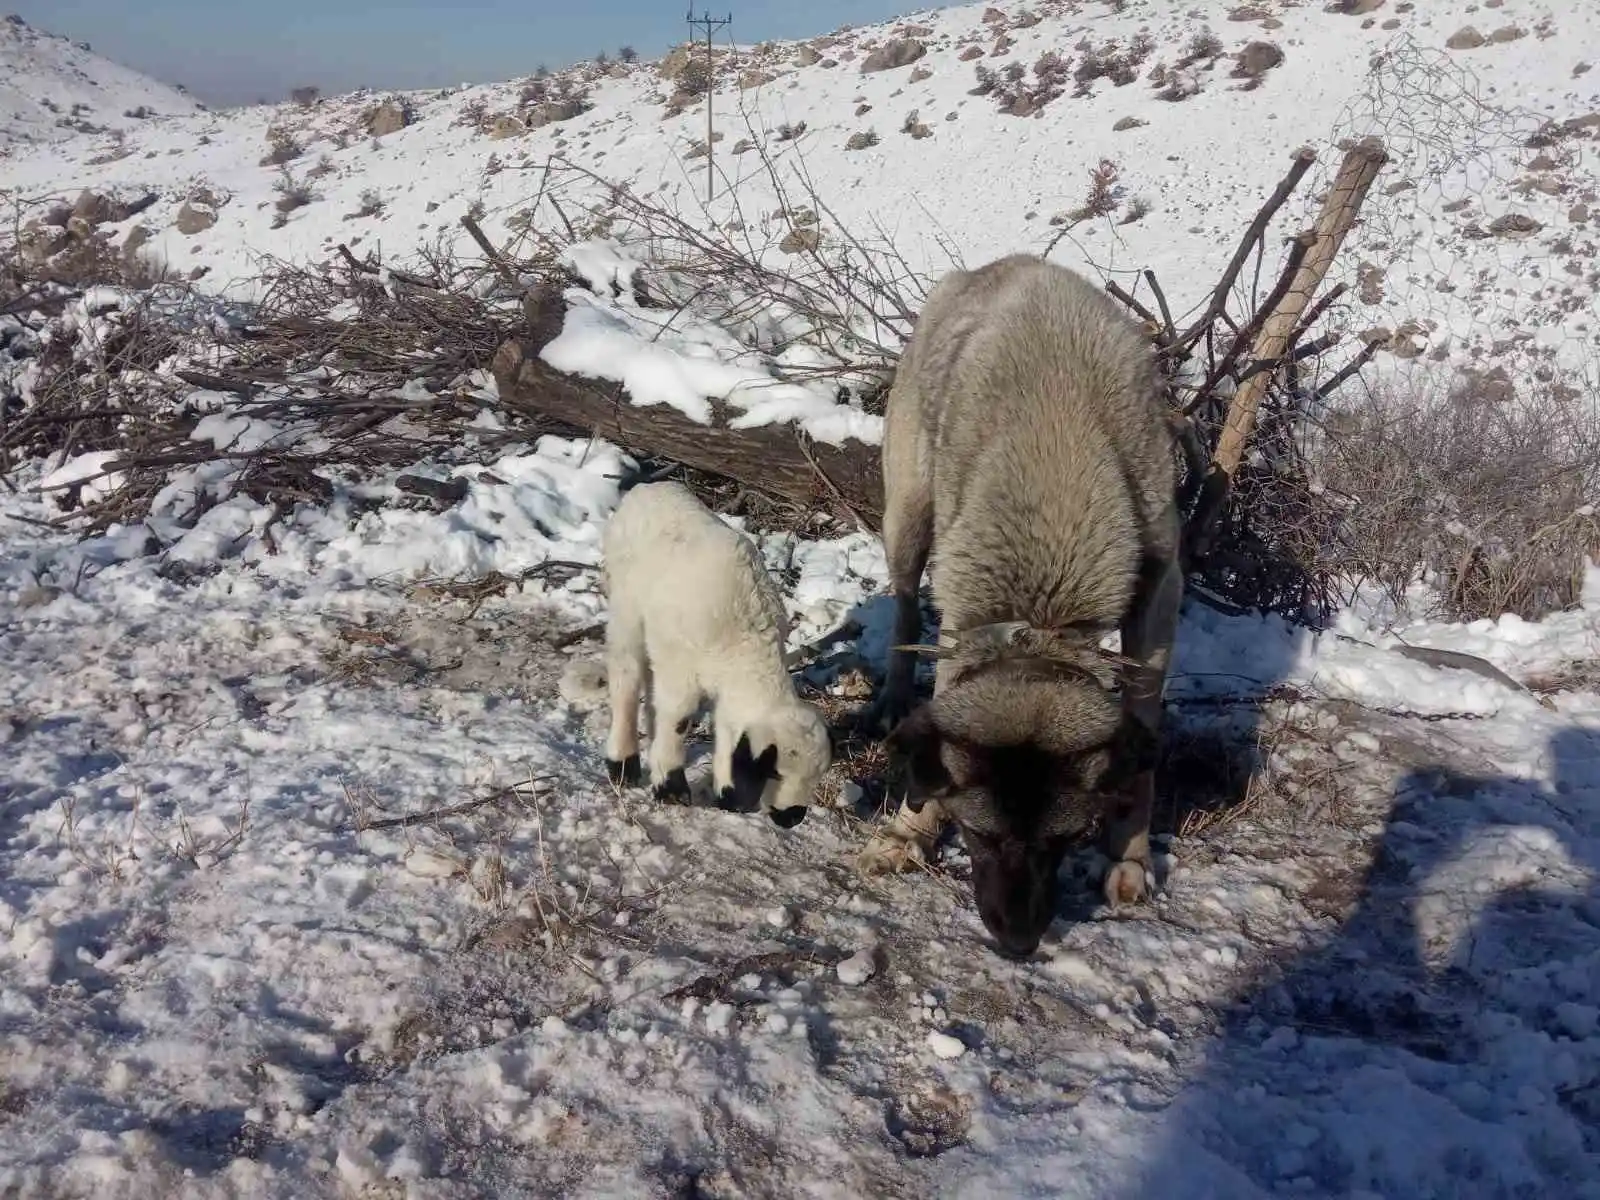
(357,369)
(849,299)
(352,366)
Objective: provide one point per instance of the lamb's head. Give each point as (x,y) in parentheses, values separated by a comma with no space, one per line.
(1018,753)
(777,764)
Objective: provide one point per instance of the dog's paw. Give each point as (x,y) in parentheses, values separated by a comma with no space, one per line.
(625,772)
(886,854)
(1127,882)
(674,789)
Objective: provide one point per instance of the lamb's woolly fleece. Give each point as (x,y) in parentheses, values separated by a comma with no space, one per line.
(690,595)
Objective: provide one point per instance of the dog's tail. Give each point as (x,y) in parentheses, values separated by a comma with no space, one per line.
(583,683)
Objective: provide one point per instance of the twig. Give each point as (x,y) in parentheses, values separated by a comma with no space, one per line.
(804,442)
(1303,158)
(571,637)
(1345,372)
(454,810)
(1161,303)
(1144,314)
(475,231)
(1299,245)
(1317,309)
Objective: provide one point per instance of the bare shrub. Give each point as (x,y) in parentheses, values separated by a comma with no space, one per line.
(1177,85)
(1489,499)
(305,97)
(628,55)
(282,147)
(789,132)
(573,97)
(1119,65)
(292,194)
(1137,209)
(475,113)
(1204,45)
(1051,71)
(1103,196)
(1014,93)
(372,203)
(695,78)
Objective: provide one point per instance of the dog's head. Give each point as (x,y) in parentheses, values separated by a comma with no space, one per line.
(1018,753)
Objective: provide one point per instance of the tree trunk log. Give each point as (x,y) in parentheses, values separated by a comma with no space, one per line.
(778,460)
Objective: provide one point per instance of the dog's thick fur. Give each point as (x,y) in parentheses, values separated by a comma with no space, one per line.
(694,615)
(1027,450)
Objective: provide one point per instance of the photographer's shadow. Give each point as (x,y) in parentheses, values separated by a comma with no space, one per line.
(1435,1046)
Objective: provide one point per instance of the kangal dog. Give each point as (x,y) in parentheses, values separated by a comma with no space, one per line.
(1027,453)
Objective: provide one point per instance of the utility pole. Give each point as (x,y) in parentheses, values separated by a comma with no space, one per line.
(709,25)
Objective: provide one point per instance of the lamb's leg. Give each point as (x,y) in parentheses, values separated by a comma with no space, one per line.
(1147,637)
(626,671)
(724,736)
(675,702)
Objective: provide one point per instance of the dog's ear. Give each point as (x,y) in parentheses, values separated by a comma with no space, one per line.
(1134,749)
(918,740)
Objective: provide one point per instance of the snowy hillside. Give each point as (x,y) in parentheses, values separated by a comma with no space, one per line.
(311,884)
(52,89)
(1481,241)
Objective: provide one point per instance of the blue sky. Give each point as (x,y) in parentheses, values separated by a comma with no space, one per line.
(259,49)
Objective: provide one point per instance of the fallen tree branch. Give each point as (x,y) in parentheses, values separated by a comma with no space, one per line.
(475,232)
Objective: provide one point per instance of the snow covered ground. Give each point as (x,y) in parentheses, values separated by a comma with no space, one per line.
(311,885)
(52,89)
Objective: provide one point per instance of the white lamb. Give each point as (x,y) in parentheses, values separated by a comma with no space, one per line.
(694,615)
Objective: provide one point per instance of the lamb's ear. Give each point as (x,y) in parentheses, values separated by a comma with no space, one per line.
(787,818)
(751,772)
(1134,749)
(918,740)
(766,764)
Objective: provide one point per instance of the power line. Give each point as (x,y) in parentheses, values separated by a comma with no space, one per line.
(709,25)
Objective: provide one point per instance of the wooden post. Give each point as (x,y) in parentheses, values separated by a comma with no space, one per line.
(1356,174)
(1360,168)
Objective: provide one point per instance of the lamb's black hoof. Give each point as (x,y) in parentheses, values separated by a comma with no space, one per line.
(787,818)
(628,771)
(730,800)
(674,789)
